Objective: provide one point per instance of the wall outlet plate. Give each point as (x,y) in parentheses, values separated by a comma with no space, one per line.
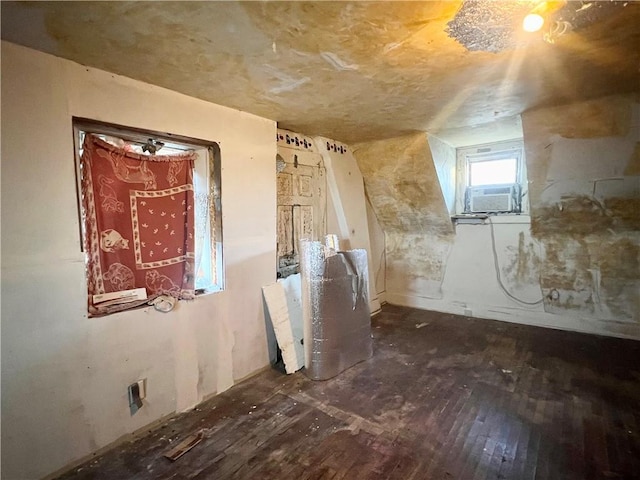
(142,388)
(135,402)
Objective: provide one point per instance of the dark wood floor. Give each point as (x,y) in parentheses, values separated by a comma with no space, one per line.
(457,398)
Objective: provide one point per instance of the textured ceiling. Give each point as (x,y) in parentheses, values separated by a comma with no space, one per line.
(351,71)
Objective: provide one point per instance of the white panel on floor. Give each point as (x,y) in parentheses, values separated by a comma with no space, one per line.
(285,310)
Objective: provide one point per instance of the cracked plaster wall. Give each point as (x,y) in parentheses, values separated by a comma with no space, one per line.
(583,161)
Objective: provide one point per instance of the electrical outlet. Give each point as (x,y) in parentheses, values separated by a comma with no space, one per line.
(142,388)
(135,402)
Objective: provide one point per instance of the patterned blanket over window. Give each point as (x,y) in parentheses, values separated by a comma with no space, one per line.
(139,217)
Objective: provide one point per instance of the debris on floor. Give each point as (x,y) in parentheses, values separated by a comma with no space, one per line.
(184,446)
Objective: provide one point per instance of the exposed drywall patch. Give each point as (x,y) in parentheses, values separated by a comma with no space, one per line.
(619,258)
(633,167)
(598,275)
(403,188)
(402,184)
(565,257)
(581,181)
(415,263)
(565,278)
(625,212)
(618,266)
(585,199)
(523,264)
(580,215)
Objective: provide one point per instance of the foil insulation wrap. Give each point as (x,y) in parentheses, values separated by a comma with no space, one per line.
(335,306)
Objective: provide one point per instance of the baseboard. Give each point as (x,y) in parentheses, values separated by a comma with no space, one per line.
(129,437)
(520,315)
(145,430)
(382,297)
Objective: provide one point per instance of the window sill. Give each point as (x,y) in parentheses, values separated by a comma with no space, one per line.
(469,218)
(202,292)
(481,218)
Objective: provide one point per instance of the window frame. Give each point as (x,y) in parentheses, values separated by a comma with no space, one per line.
(492,157)
(214,168)
(487,152)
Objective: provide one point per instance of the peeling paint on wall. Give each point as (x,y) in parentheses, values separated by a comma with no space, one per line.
(402,185)
(416,263)
(523,263)
(584,214)
(585,204)
(633,167)
(596,274)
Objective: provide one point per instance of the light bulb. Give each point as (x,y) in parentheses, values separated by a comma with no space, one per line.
(532,22)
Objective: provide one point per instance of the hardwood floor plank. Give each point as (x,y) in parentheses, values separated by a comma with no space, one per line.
(459,398)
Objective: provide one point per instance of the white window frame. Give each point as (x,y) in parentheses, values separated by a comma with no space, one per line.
(208,168)
(490,151)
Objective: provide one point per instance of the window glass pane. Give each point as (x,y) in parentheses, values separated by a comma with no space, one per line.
(205,255)
(492,172)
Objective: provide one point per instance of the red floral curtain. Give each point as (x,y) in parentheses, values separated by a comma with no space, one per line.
(139,222)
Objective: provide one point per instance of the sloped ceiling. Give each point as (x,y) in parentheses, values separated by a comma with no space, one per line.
(352,71)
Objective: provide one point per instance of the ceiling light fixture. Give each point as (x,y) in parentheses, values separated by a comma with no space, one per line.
(540,14)
(532,22)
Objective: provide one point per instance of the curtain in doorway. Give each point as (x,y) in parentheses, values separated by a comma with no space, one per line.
(139,222)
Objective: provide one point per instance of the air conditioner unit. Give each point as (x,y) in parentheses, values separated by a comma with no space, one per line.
(493,198)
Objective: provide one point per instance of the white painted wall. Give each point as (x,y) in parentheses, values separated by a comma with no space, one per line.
(346,205)
(64,376)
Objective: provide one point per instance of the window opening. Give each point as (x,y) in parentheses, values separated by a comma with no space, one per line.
(490,178)
(207,225)
(492,172)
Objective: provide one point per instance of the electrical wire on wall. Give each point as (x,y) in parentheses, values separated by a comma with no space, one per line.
(497,268)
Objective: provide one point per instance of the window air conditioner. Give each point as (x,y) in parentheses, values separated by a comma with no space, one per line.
(493,198)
